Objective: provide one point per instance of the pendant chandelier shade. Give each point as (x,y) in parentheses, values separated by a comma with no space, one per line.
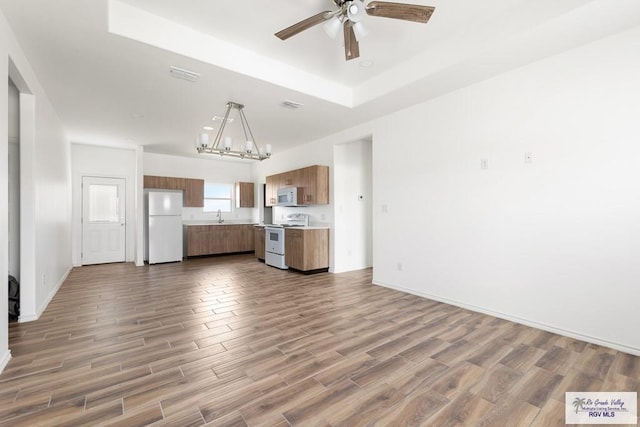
(223,145)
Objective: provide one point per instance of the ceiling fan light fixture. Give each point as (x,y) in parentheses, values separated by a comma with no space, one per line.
(349,13)
(355,10)
(360,31)
(332,27)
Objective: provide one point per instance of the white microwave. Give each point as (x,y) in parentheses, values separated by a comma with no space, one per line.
(289,196)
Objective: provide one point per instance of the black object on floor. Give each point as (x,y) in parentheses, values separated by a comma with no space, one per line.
(14,299)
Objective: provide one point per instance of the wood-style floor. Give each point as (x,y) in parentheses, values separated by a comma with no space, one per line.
(229,341)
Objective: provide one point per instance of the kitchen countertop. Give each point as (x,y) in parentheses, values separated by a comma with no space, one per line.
(215,222)
(308,227)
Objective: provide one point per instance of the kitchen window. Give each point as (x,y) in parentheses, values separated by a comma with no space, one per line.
(217,196)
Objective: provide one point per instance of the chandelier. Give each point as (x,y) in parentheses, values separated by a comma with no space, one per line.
(223,146)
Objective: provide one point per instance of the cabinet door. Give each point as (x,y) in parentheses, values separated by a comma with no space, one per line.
(197,240)
(244,194)
(320,176)
(233,238)
(175,183)
(316,249)
(304,181)
(271,190)
(287,179)
(307,249)
(294,249)
(259,241)
(150,181)
(248,238)
(194,193)
(315,180)
(217,239)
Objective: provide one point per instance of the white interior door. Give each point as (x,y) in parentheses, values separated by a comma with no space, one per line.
(103,220)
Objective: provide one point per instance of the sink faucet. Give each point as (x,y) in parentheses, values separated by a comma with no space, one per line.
(219,214)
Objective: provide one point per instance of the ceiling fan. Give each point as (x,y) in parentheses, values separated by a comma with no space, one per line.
(349,16)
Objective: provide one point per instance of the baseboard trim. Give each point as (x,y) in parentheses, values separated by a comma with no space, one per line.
(43,307)
(542,326)
(5,360)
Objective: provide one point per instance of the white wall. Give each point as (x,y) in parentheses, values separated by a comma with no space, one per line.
(209,169)
(91,160)
(14,181)
(45,189)
(554,243)
(4,200)
(353,194)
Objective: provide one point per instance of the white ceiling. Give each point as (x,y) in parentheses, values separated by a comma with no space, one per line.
(104,64)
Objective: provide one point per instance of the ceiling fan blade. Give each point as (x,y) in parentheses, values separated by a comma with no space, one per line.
(407,12)
(351,47)
(303,25)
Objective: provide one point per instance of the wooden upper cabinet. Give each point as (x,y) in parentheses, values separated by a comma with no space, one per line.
(193,188)
(244,194)
(271,190)
(313,182)
(193,192)
(175,183)
(163,182)
(150,181)
(288,179)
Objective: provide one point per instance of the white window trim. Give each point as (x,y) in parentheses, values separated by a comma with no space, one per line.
(230,198)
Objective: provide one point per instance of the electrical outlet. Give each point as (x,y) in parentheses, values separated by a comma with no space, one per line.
(484,163)
(528,157)
(399,266)
(385,208)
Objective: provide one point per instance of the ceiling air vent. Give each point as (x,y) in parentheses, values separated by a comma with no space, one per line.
(180,73)
(291,105)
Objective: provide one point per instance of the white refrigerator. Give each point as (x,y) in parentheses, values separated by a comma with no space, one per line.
(164,226)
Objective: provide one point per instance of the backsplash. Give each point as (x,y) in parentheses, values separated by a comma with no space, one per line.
(238,215)
(319,215)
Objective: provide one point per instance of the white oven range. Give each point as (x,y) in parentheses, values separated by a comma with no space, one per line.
(274,239)
(274,249)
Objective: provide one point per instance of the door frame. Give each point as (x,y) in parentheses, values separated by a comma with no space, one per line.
(123,216)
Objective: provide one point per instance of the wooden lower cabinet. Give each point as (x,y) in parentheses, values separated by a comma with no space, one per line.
(259,240)
(306,249)
(197,240)
(219,239)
